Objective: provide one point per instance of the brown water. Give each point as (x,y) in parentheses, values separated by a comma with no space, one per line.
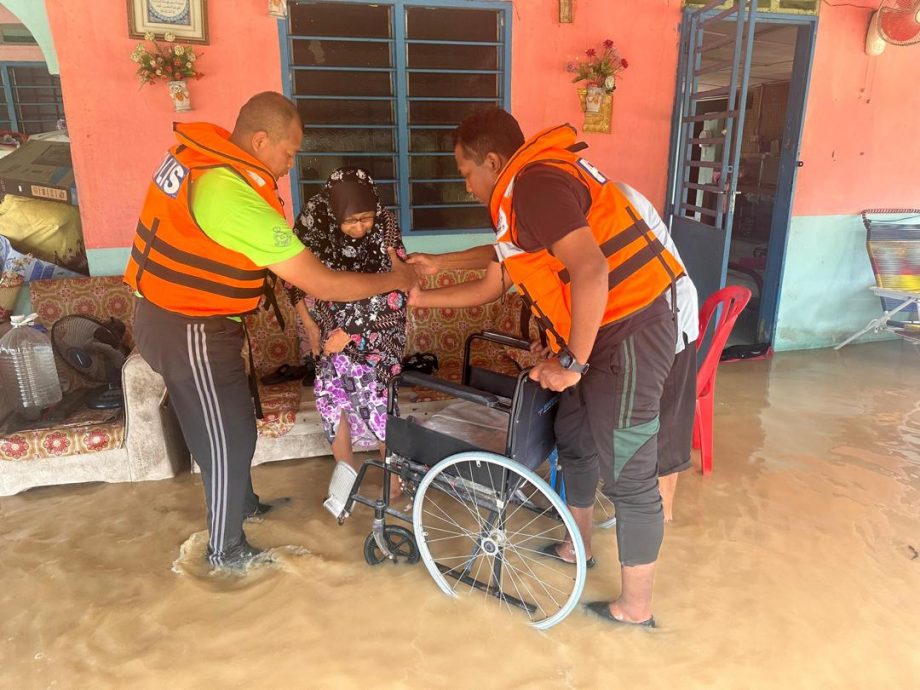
(794,565)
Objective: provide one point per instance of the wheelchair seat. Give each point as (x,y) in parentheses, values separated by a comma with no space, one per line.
(484,427)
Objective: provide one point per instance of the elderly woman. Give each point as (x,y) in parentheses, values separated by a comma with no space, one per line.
(359,344)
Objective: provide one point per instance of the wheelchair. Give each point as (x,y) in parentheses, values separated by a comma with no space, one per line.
(480,512)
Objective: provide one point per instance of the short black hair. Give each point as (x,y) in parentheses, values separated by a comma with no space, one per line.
(268,112)
(490,130)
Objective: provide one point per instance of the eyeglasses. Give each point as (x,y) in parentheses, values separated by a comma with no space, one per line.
(365,220)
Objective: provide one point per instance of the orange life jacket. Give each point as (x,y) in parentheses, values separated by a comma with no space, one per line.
(173,263)
(640,268)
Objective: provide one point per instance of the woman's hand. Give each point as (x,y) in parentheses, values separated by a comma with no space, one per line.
(425,264)
(336,341)
(405,273)
(311,328)
(315,337)
(416,298)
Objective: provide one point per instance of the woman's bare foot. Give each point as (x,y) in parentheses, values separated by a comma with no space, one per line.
(396,488)
(565,551)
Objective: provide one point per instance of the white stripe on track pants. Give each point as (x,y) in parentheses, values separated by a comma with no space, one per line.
(200,361)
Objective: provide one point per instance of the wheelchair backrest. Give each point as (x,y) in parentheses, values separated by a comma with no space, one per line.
(530,437)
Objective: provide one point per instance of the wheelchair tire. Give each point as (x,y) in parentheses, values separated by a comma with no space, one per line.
(605,515)
(477,509)
(399,540)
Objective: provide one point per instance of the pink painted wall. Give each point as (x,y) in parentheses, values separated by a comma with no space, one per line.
(119,131)
(646,33)
(17,53)
(860,144)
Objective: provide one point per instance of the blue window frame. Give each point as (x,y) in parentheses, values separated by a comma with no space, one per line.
(32,101)
(382,85)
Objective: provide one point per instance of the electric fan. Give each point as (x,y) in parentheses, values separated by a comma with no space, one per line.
(95,351)
(896,22)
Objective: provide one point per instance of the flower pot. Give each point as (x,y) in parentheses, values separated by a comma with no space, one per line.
(178,91)
(597,121)
(594,99)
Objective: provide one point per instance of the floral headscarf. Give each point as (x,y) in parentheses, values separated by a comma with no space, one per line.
(377,325)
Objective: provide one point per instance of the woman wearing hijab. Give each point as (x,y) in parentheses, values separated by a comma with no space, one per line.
(359,344)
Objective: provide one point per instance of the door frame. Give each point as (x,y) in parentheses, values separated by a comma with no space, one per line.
(786,180)
(800,83)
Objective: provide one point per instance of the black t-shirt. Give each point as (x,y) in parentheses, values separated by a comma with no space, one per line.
(548,204)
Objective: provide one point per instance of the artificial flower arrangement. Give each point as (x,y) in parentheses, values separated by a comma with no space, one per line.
(169,61)
(599,69)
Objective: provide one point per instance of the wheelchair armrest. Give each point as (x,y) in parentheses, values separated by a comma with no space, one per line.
(417,378)
(504,339)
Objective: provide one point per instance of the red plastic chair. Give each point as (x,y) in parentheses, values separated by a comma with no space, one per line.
(732,300)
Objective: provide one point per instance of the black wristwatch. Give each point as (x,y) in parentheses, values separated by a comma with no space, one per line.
(569,363)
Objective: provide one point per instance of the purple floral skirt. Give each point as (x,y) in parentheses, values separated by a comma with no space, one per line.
(343,385)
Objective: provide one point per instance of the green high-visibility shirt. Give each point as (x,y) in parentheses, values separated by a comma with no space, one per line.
(232,213)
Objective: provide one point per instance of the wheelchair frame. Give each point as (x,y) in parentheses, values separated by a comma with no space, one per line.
(426,459)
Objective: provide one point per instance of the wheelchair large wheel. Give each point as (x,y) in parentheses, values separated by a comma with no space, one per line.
(605,515)
(481,521)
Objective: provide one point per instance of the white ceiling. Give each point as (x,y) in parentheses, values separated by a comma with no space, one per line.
(774,51)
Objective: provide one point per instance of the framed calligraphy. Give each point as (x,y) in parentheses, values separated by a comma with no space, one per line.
(187,20)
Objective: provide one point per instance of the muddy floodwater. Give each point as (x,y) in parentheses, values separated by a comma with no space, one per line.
(796,564)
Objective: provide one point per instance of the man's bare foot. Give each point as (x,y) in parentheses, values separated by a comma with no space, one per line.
(635,616)
(602,609)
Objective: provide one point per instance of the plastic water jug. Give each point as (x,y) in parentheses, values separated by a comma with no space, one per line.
(27,369)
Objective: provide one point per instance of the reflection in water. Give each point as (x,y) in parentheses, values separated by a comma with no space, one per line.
(795,564)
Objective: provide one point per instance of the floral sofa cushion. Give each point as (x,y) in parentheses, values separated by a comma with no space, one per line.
(87,431)
(280,403)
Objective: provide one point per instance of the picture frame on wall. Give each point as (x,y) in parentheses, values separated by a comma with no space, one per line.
(186,19)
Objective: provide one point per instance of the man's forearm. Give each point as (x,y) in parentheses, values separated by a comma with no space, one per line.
(587,266)
(589,299)
(473,258)
(309,274)
(342,286)
(469,294)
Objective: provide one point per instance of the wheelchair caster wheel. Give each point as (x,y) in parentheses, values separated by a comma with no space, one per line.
(400,541)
